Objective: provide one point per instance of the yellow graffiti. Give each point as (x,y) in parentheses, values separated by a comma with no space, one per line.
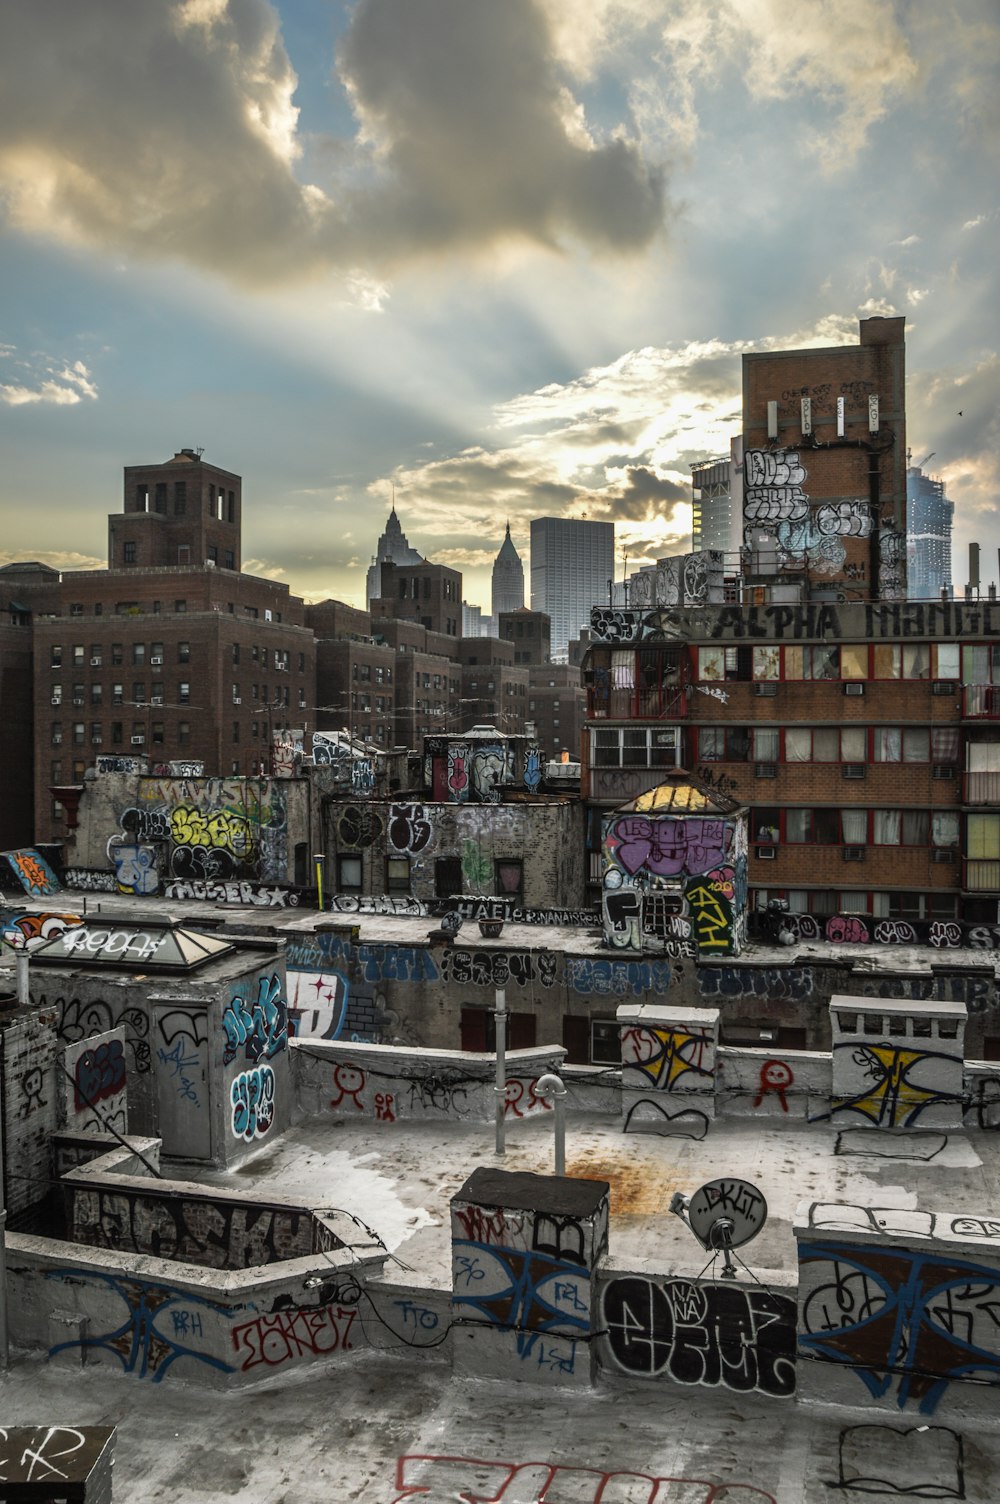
(713,926)
(892,1100)
(223,830)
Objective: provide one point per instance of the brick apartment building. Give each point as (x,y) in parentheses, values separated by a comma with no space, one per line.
(169,654)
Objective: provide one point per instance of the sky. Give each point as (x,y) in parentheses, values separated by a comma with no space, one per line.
(497,259)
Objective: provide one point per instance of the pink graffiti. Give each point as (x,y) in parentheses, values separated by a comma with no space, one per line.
(669,847)
(776,1076)
(843,929)
(458,777)
(424,1476)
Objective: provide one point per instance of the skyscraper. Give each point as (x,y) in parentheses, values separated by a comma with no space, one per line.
(929,517)
(571,565)
(393,548)
(508,581)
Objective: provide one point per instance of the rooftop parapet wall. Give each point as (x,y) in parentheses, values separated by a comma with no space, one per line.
(813,621)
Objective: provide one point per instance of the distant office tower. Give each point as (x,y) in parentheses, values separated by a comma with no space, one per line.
(474,623)
(712,524)
(508,581)
(571,565)
(929,517)
(392,549)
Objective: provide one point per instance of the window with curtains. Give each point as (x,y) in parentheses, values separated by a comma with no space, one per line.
(887,827)
(623,670)
(887,660)
(854,660)
(767,663)
(807,744)
(917,661)
(854,827)
(944,828)
(888,742)
(983,838)
(765,824)
(765,743)
(820,827)
(944,744)
(822,661)
(854,744)
(724,743)
(901,827)
(916,744)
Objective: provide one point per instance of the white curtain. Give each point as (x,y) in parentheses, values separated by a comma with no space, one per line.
(888,823)
(798,746)
(855,826)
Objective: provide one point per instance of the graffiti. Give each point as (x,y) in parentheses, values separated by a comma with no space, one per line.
(458,772)
(223,830)
(711,915)
(179,1064)
(358,828)
(309,1331)
(368,962)
(384,1107)
(713,779)
(944,933)
(772,487)
(29,931)
(694,1333)
(521,1098)
(79,1019)
(895,1317)
(112,945)
(667,848)
(386,903)
(32,872)
(135,869)
(317,1004)
(246,894)
(409,828)
(658,1058)
(473,906)
(62,1451)
(521,1290)
(350,1083)
(892,564)
(262,1029)
(477,865)
(599,978)
(494,968)
(32,1083)
(90,880)
(810,621)
(144,825)
(419,1317)
(363,775)
(792,983)
(438,1095)
(899,1083)
(106,764)
(776,1076)
(844,519)
(532,769)
(100,1073)
(252,1098)
(857,929)
(488,768)
(976,1227)
(432,1477)
(195,1229)
(987,1102)
(922,1462)
(139,1342)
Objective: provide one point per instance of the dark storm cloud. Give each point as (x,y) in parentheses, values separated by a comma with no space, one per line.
(167,128)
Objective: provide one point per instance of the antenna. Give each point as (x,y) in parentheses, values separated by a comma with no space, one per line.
(723,1215)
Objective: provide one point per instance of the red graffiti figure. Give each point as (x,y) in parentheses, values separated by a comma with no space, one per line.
(383,1107)
(776,1076)
(350,1082)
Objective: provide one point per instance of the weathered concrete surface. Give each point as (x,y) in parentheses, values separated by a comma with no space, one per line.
(343,1437)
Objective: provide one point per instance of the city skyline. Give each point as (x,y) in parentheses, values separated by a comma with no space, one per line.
(299,236)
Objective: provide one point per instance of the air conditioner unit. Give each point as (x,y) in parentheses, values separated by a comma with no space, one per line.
(96,741)
(943,770)
(156,661)
(57,699)
(854,687)
(767,688)
(95,662)
(943,687)
(765,853)
(237,700)
(853,853)
(943,854)
(138,741)
(156,700)
(852,770)
(765,770)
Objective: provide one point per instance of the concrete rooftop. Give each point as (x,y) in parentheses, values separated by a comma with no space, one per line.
(340,1435)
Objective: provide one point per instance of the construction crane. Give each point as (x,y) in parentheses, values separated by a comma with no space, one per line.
(920,465)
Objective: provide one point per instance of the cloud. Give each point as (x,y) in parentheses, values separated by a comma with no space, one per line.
(167,129)
(38,381)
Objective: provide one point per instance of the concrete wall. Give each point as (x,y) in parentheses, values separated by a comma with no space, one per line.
(668,1065)
(389,1084)
(31,1102)
(93,1085)
(737,1335)
(772,1083)
(897,1310)
(546,836)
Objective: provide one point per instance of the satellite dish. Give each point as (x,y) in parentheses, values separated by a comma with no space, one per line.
(723,1215)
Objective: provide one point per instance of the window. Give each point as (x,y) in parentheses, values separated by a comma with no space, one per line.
(349,874)
(854,744)
(139,692)
(917,661)
(183,652)
(95,733)
(447,876)
(916,744)
(57,694)
(302,666)
(888,660)
(180,498)
(767,663)
(397,874)
(156,653)
(229,561)
(79,655)
(180,607)
(95,694)
(888,744)
(605,1041)
(55,657)
(183,732)
(117,655)
(508,877)
(116,733)
(128,553)
(236,731)
(57,733)
(138,652)
(184,692)
(95,655)
(947,660)
(652,747)
(117,694)
(79,732)
(157,730)
(160,496)
(854,660)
